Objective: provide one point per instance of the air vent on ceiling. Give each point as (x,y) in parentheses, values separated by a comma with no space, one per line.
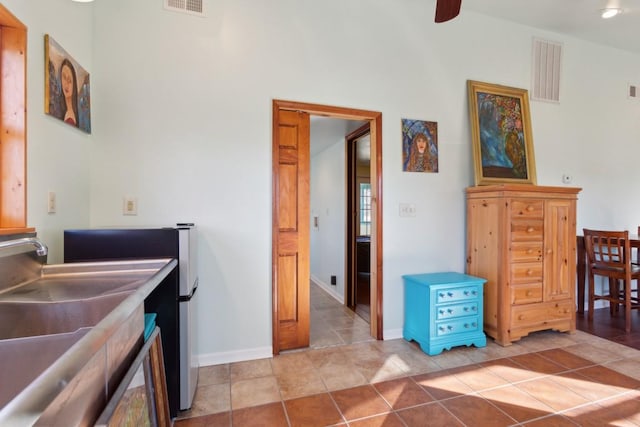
(546,70)
(192,7)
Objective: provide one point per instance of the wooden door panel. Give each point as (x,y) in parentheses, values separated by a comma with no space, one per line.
(559,248)
(287,300)
(291,230)
(288,203)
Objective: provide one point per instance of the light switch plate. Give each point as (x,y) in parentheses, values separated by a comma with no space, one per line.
(130,206)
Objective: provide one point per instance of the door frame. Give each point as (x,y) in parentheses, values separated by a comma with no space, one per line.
(375,124)
(351,214)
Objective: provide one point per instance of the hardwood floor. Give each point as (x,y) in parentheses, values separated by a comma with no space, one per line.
(611,327)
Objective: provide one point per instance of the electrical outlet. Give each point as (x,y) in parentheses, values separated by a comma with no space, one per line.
(51,202)
(334,280)
(130,206)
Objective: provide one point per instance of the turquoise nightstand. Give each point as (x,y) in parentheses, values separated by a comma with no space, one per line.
(443,310)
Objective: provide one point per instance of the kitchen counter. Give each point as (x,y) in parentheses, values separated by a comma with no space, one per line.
(68,335)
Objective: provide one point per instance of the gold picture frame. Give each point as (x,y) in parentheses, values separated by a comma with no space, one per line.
(501,134)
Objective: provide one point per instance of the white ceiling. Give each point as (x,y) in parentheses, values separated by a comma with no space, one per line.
(577,18)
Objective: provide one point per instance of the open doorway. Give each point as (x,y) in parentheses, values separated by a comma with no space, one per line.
(291,219)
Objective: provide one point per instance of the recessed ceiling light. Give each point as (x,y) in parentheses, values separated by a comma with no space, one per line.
(610,12)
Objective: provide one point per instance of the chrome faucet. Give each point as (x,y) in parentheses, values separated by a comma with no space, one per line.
(41,248)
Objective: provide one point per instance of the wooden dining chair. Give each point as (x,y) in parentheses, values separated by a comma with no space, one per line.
(609,255)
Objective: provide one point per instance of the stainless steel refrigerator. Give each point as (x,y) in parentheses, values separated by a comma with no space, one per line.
(174,301)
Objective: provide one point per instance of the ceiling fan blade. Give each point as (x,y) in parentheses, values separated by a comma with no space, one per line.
(447,9)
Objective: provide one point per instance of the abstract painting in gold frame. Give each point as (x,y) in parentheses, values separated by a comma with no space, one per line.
(501,134)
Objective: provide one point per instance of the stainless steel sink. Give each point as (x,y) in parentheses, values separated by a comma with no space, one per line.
(24,359)
(33,318)
(67,297)
(56,328)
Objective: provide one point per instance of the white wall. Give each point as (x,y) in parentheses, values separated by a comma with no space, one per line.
(327,202)
(182,121)
(58,155)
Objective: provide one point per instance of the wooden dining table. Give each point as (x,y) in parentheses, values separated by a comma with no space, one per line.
(581,267)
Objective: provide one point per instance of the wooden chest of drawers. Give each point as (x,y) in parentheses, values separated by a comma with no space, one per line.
(522,239)
(443,310)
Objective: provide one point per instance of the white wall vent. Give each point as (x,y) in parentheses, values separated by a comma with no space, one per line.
(192,7)
(545,74)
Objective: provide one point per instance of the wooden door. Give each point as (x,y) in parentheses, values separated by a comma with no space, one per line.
(290,230)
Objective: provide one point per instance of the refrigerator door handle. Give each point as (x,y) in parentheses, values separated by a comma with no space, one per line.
(183,298)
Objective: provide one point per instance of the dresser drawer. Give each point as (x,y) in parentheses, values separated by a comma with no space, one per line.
(535,314)
(526,272)
(527,231)
(527,208)
(526,251)
(456,310)
(457,294)
(469,324)
(526,294)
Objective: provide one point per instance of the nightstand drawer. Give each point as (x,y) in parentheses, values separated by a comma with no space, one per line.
(470,324)
(456,310)
(457,294)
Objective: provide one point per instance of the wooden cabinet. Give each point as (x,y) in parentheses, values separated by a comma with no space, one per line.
(522,239)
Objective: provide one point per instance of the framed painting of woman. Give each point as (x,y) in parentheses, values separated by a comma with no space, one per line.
(419,146)
(67,87)
(501,134)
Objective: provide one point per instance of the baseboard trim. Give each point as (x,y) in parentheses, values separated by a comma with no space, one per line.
(235,356)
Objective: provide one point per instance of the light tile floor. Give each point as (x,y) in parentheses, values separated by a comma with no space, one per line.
(348,379)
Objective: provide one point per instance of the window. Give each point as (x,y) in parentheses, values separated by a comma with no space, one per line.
(13,106)
(365,209)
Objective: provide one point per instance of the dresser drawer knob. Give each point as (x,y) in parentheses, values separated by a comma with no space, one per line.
(449,311)
(449,327)
(450,294)
(529,293)
(530,230)
(529,251)
(466,309)
(441,311)
(529,272)
(530,208)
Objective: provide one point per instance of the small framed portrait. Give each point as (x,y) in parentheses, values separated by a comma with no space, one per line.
(501,134)
(419,146)
(66,87)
